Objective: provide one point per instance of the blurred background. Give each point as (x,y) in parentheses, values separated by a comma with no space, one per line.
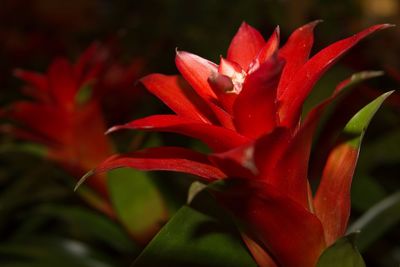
(43,222)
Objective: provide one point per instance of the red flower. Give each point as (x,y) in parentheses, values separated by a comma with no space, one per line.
(257,88)
(247,110)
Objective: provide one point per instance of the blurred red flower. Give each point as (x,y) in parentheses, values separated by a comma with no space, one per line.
(66,110)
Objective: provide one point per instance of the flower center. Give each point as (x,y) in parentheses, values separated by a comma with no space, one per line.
(237,81)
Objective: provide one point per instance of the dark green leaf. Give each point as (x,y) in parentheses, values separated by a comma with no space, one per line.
(343,253)
(377,220)
(196,238)
(89,224)
(50,252)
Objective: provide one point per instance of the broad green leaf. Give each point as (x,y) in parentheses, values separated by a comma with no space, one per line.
(343,253)
(197,237)
(377,220)
(137,201)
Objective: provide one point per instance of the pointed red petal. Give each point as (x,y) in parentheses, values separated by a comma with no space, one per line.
(45,120)
(268,149)
(196,71)
(292,236)
(63,83)
(298,89)
(332,200)
(164,159)
(245,46)
(37,80)
(224,118)
(88,65)
(237,162)
(269,49)
(178,96)
(340,116)
(217,138)
(296,52)
(255,110)
(261,256)
(282,161)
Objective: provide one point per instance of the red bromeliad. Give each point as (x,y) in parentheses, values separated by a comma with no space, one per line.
(247,110)
(68,122)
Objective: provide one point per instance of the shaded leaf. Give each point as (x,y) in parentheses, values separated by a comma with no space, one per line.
(49,252)
(88,223)
(377,220)
(196,238)
(343,253)
(138,202)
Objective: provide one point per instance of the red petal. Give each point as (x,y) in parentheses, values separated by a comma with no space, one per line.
(298,89)
(45,120)
(293,236)
(332,201)
(296,52)
(179,97)
(88,65)
(270,48)
(237,162)
(37,81)
(245,46)
(217,138)
(63,83)
(336,122)
(261,256)
(268,149)
(255,110)
(196,71)
(164,159)
(224,118)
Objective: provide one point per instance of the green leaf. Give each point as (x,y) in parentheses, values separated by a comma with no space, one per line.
(377,220)
(343,253)
(87,223)
(137,201)
(197,237)
(356,127)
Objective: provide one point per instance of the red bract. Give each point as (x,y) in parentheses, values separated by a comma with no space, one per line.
(247,110)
